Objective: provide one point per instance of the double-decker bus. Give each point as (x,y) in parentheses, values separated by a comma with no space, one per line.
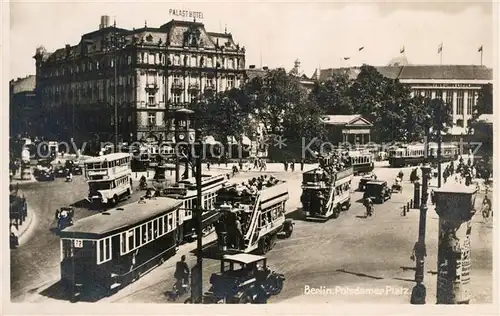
(326,191)
(108,177)
(106,251)
(412,155)
(186,191)
(261,215)
(361,161)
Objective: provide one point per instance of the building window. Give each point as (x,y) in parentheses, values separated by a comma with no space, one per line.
(460,103)
(177,60)
(460,123)
(230,82)
(193,61)
(209,62)
(151,59)
(151,99)
(428,94)
(449,97)
(177,98)
(209,82)
(471,97)
(439,94)
(177,79)
(230,63)
(152,118)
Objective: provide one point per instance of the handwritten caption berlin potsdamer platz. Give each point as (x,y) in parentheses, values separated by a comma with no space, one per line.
(186,13)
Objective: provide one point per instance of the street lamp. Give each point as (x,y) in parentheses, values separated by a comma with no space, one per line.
(114,43)
(185,132)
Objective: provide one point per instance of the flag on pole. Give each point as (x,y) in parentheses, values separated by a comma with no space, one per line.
(480,49)
(361,48)
(402,50)
(440,48)
(347,58)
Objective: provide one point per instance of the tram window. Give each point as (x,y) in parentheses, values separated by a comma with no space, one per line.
(137,235)
(170,222)
(174,220)
(107,244)
(160,226)
(165,224)
(123,242)
(130,237)
(101,251)
(155,228)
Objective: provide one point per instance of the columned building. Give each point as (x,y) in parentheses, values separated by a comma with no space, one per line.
(146,73)
(458,85)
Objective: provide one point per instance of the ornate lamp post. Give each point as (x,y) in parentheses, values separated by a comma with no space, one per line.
(185,133)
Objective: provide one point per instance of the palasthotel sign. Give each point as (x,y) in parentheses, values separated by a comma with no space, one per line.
(186,13)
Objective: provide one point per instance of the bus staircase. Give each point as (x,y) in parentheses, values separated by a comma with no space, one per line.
(252,232)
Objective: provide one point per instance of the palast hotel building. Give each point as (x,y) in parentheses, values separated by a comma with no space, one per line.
(154,71)
(457,85)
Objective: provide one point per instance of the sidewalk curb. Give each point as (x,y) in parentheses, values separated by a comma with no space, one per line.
(25,229)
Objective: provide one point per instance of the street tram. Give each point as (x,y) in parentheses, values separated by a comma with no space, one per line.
(261,217)
(326,191)
(106,251)
(186,191)
(108,177)
(413,155)
(361,162)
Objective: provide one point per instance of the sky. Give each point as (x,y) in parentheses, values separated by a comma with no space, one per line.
(275,34)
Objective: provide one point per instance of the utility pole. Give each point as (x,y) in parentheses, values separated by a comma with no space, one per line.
(199,217)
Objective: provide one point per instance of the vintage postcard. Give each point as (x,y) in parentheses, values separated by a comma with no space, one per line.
(307,156)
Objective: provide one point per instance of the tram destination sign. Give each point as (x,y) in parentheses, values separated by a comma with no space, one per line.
(186,14)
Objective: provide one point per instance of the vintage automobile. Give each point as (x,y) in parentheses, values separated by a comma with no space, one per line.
(74,166)
(42,165)
(364,180)
(45,175)
(377,190)
(60,171)
(243,279)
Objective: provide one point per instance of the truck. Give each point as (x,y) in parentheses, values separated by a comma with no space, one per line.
(251,221)
(326,190)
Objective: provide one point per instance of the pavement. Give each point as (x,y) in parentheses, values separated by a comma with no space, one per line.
(347,253)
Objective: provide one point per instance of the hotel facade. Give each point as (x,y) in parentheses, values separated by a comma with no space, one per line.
(458,85)
(146,73)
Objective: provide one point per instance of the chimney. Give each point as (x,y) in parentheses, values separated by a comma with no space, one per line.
(265,68)
(104,21)
(251,67)
(67,46)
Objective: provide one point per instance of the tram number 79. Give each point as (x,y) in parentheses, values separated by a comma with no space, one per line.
(78,243)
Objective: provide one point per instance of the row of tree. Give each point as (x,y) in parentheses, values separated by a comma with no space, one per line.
(281,103)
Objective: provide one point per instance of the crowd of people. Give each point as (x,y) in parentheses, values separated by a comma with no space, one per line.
(251,187)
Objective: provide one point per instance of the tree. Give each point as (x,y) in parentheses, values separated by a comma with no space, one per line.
(484,103)
(273,96)
(333,95)
(224,115)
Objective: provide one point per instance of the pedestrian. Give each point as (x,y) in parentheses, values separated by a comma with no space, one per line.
(286,165)
(292,166)
(302,165)
(208,165)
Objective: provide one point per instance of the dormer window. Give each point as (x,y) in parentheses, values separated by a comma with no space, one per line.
(149,38)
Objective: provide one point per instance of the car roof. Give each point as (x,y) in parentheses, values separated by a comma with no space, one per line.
(243,258)
(377,182)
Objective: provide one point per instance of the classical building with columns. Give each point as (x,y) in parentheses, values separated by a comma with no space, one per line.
(458,85)
(145,73)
